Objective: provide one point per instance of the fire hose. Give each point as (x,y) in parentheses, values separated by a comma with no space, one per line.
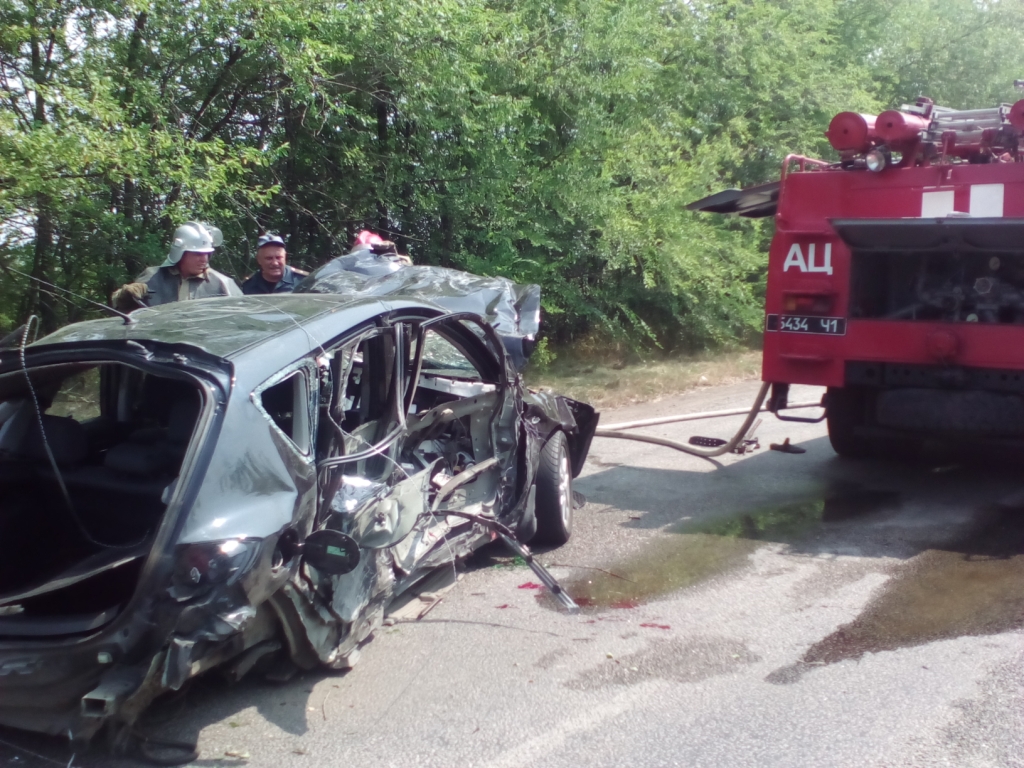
(613,430)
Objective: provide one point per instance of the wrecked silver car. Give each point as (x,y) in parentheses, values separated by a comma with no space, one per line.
(222,482)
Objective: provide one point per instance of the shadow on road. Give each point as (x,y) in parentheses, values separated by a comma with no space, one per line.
(952,522)
(181,717)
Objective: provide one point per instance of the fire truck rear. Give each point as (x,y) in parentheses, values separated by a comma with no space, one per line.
(896,276)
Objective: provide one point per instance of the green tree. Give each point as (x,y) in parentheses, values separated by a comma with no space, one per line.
(551,141)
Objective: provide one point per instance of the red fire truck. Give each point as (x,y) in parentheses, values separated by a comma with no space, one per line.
(896,276)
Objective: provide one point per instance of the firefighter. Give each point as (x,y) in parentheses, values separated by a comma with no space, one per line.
(185,274)
(368,241)
(275,276)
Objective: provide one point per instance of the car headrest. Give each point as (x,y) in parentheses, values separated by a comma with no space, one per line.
(159,394)
(66,437)
(181,421)
(16,416)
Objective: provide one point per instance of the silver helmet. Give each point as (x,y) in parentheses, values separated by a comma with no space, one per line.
(192,236)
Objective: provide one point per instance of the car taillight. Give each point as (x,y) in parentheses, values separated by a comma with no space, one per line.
(807,303)
(201,566)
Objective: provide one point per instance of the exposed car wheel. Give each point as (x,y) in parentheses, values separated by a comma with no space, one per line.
(844,412)
(554,492)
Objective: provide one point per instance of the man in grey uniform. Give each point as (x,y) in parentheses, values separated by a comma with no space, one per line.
(275,275)
(184,275)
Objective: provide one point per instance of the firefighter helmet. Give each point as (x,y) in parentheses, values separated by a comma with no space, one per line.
(192,236)
(366,239)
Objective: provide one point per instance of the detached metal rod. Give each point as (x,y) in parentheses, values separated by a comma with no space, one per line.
(963,113)
(520,549)
(542,573)
(696,416)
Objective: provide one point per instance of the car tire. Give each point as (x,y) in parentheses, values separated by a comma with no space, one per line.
(554,493)
(844,413)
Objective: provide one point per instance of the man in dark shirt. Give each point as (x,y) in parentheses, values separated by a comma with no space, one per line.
(275,276)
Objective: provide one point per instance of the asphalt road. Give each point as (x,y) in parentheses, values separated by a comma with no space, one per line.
(759,610)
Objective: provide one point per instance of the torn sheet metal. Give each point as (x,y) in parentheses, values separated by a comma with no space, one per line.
(513,310)
(386,520)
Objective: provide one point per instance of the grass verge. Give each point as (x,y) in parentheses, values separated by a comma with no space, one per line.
(613,383)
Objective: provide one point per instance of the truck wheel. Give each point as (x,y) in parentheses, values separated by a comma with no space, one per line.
(844,412)
(554,493)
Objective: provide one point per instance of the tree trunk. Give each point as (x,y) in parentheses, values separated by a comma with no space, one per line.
(383,223)
(38,302)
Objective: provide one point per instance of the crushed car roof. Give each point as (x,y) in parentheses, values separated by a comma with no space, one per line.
(224,327)
(512,309)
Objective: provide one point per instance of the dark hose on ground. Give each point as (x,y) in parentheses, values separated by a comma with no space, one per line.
(705,453)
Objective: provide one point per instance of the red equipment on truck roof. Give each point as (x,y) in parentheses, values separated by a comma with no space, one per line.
(896,275)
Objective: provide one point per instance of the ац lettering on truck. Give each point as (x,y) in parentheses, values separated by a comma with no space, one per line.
(896,276)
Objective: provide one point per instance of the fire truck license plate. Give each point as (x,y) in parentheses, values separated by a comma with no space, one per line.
(834,326)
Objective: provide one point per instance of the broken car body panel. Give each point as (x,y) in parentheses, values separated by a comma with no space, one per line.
(511,309)
(155,526)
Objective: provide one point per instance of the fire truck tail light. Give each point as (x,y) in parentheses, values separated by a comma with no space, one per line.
(807,303)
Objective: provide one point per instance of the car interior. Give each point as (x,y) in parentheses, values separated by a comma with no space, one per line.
(448,404)
(81,497)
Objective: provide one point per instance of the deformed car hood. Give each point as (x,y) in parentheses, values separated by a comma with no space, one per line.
(513,310)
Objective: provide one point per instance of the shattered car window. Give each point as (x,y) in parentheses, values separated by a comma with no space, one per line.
(364,409)
(440,357)
(286,404)
(78,396)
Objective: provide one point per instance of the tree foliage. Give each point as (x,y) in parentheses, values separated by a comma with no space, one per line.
(550,141)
